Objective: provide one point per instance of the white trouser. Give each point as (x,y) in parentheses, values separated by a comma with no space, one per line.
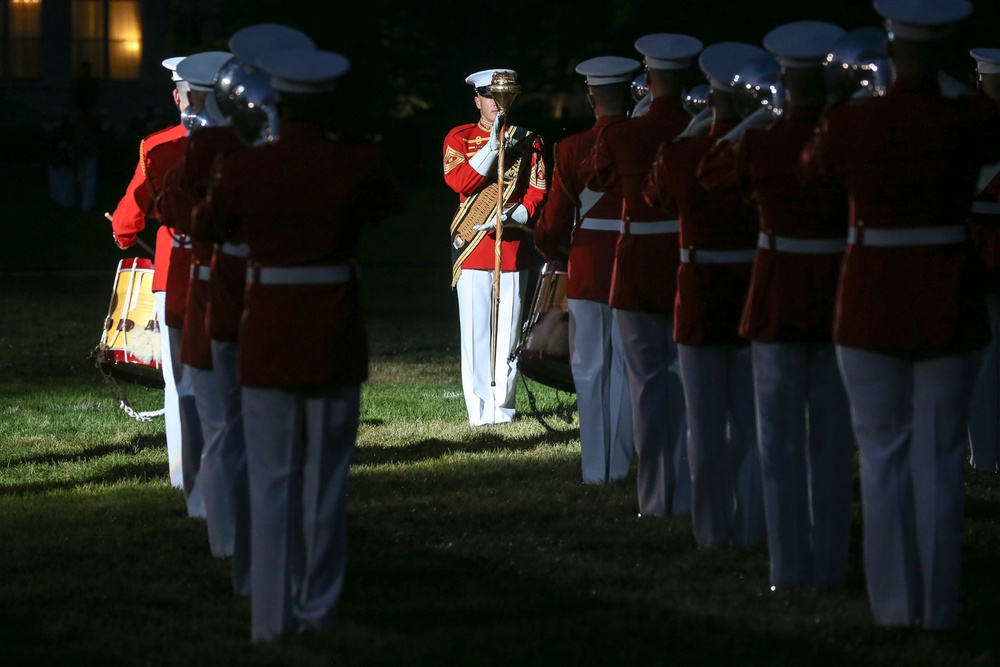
(984,417)
(488,404)
(192,441)
(603,399)
(171,407)
(211,471)
(658,420)
(727,505)
(298,452)
(806,450)
(910,424)
(233,454)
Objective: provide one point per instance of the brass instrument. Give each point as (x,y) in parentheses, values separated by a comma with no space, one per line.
(858,65)
(758,86)
(696,100)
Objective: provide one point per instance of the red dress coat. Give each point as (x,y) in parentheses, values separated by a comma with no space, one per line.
(592,251)
(645,270)
(462,143)
(225,298)
(129,217)
(159,161)
(176,203)
(710,297)
(986,233)
(186,185)
(792,294)
(301,202)
(909,159)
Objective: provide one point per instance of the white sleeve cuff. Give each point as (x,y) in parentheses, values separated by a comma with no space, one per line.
(483,160)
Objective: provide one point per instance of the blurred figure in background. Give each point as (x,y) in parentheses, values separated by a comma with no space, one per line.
(911,318)
(301,402)
(984,416)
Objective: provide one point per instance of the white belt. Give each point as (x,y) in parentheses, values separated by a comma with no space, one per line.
(201,271)
(300,275)
(801,246)
(601,224)
(694,256)
(986,207)
(235,249)
(907,237)
(181,244)
(657,227)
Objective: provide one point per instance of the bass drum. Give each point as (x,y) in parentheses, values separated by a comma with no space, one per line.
(543,350)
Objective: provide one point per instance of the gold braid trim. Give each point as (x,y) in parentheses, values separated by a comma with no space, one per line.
(477,209)
(142,156)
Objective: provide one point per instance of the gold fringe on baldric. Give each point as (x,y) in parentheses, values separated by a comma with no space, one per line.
(477,209)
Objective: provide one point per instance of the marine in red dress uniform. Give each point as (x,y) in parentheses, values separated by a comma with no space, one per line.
(301,203)
(803,422)
(910,317)
(984,417)
(227,267)
(717,237)
(588,222)
(159,162)
(184,185)
(128,219)
(644,276)
(470,165)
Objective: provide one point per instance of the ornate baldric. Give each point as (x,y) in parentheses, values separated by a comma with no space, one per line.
(481,206)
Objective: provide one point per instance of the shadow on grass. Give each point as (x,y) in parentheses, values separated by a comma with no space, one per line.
(452,610)
(134,471)
(484,440)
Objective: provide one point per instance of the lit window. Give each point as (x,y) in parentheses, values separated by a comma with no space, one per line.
(107,34)
(21,33)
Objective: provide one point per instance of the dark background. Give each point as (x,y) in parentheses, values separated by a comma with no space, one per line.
(410,60)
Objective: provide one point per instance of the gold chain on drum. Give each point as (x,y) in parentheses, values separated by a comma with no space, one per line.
(119,394)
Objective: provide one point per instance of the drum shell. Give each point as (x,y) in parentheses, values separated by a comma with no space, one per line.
(543,351)
(129,349)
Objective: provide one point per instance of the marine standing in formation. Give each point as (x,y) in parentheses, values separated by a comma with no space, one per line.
(803,422)
(911,317)
(587,222)
(158,153)
(644,275)
(718,232)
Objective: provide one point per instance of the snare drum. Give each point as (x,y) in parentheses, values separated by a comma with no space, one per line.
(130,343)
(543,350)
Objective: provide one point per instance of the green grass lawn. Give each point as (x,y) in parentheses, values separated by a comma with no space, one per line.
(468,547)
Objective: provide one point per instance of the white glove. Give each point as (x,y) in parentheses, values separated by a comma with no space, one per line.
(699,125)
(484,158)
(951,87)
(494,144)
(516,213)
(642,106)
(759,118)
(492,224)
